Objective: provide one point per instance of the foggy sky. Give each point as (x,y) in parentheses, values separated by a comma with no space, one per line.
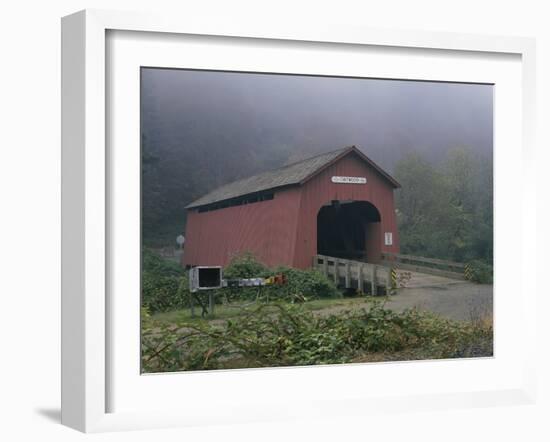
(281,118)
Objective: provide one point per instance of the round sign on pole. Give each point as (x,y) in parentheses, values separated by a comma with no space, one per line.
(180,240)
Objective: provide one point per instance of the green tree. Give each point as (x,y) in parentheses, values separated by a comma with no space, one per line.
(446,210)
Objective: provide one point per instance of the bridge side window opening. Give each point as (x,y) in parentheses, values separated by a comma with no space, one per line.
(239,201)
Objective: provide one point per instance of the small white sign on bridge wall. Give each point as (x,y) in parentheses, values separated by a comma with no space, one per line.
(349,180)
(388,238)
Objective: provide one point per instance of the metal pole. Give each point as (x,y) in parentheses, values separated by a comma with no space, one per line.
(373,281)
(211,303)
(360,278)
(348,275)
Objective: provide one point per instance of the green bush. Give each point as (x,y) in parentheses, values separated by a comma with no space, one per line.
(301,284)
(480,272)
(164,293)
(156,264)
(164,284)
(308,284)
(283,334)
(245,265)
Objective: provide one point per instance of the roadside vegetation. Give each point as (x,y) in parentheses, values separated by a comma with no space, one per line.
(304,322)
(283,334)
(165,286)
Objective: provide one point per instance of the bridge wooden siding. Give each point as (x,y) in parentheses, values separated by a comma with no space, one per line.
(432,266)
(363,274)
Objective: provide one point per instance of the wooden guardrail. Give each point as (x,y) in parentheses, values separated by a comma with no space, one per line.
(439,267)
(356,274)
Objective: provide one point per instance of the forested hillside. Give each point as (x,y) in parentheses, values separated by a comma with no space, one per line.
(445,210)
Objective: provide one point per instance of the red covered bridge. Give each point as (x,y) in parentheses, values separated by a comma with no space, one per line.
(338,204)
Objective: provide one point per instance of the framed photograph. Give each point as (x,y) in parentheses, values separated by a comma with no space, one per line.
(267,223)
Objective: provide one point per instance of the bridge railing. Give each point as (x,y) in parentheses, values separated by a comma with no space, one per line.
(355,274)
(439,267)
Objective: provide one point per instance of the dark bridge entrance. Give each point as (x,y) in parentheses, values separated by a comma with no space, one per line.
(350,230)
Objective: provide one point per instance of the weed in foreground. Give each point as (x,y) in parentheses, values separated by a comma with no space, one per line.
(281,334)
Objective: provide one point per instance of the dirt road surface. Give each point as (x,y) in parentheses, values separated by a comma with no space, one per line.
(451,298)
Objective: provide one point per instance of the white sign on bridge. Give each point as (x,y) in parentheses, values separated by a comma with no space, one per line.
(349,180)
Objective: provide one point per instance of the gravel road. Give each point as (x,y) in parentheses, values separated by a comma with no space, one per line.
(454,301)
(459,300)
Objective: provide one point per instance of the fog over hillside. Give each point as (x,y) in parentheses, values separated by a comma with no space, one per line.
(203,129)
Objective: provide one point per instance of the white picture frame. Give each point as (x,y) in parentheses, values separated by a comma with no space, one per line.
(86,206)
